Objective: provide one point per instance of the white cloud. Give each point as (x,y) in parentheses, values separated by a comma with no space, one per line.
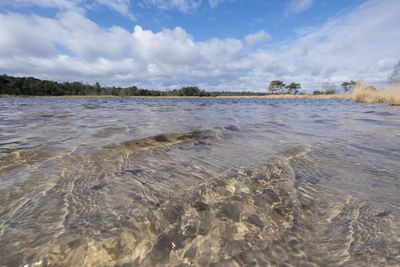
(120,6)
(361,44)
(257,38)
(173,46)
(184,6)
(298,6)
(113,54)
(350,46)
(215,3)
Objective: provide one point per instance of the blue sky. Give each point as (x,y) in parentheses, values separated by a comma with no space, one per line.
(215,44)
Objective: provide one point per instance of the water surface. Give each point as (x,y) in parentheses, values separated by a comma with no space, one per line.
(226,182)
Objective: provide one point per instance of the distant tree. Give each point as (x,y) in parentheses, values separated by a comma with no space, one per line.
(204,93)
(131,91)
(293,88)
(97,87)
(189,91)
(329,88)
(316,92)
(395,76)
(348,86)
(173,92)
(330,91)
(275,86)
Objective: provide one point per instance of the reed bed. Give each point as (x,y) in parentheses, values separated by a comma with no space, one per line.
(364,93)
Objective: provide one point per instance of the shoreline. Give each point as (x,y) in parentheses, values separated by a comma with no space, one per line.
(378,98)
(337,96)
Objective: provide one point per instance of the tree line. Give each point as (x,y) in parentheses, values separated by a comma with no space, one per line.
(29,86)
(279,87)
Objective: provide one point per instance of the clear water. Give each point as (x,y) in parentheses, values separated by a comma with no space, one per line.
(178,182)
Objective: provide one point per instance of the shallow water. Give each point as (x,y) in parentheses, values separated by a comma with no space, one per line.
(225,182)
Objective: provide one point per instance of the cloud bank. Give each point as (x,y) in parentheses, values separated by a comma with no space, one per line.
(361,44)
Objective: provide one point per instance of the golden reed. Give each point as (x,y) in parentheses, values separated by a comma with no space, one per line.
(364,93)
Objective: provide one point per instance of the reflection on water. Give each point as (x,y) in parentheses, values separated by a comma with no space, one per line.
(179,182)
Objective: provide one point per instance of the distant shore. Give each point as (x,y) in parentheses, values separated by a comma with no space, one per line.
(283,96)
(361,96)
(31,87)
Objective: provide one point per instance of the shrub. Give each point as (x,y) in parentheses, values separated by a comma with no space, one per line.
(316,92)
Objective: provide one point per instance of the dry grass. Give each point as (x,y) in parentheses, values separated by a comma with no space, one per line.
(364,93)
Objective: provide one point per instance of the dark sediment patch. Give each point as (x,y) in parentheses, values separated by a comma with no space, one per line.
(110,131)
(162,140)
(92,106)
(201,206)
(232,128)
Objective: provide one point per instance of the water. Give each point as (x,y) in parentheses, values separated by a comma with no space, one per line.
(179,182)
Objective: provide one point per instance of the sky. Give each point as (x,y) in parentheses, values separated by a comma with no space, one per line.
(230,45)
